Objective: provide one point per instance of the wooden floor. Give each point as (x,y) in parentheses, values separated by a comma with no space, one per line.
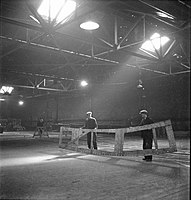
(35,168)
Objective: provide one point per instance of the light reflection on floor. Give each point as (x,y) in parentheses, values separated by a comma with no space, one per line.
(34,159)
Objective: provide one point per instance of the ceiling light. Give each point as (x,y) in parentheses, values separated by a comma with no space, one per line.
(89,25)
(59,9)
(161,14)
(21,102)
(35,19)
(84,83)
(6,90)
(155,42)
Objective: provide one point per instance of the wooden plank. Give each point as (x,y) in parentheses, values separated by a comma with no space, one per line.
(60,136)
(148,151)
(89,151)
(77,134)
(171,139)
(155,138)
(127,130)
(119,141)
(124,153)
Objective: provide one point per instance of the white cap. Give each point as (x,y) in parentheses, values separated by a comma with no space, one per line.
(89,112)
(143,112)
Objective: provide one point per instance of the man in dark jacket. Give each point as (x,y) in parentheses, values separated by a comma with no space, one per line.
(147,135)
(91,123)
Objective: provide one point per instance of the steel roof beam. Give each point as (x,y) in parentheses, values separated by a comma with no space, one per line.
(40,29)
(127,34)
(170,48)
(39,75)
(38,88)
(129,53)
(43,23)
(185,66)
(154,7)
(60,50)
(77,54)
(18,23)
(21,46)
(153,16)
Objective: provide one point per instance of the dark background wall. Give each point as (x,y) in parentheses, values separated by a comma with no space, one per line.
(165,98)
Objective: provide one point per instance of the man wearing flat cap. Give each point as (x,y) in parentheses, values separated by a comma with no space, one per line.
(91,123)
(147,135)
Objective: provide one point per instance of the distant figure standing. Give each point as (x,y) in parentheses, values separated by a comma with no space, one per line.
(40,127)
(147,135)
(91,123)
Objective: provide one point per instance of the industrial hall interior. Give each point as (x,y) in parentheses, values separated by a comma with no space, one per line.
(95,99)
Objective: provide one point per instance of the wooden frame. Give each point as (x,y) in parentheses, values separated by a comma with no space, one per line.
(77,133)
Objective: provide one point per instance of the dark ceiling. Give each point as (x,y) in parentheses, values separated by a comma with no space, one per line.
(41,59)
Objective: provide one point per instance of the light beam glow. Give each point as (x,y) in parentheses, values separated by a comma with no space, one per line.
(21,102)
(84,83)
(161,14)
(89,25)
(6,90)
(36,20)
(155,42)
(62,8)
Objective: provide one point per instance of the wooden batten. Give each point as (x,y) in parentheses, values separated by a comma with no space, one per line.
(77,133)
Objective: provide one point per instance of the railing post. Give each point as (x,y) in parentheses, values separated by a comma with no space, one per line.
(155,138)
(119,141)
(60,136)
(170,135)
(74,133)
(76,137)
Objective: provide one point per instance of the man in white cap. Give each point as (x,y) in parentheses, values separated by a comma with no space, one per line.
(91,123)
(147,135)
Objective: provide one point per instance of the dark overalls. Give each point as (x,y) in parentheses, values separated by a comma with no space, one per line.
(147,136)
(91,123)
(40,125)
